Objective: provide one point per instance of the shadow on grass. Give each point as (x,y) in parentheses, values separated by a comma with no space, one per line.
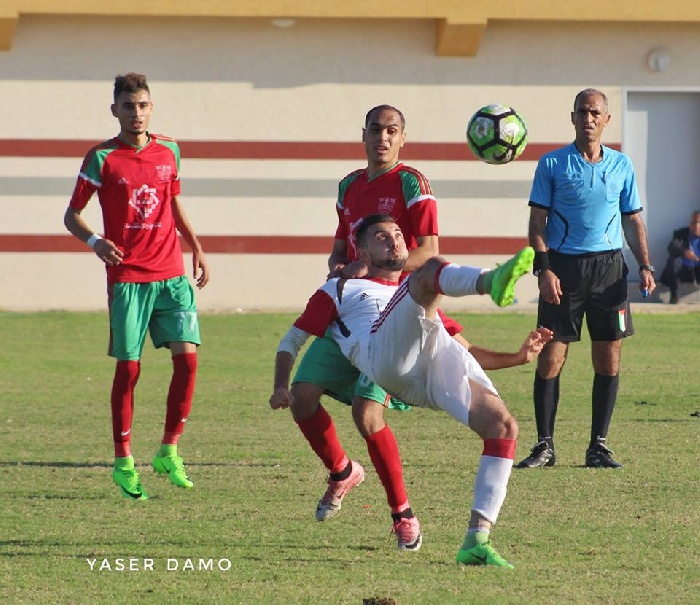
(65,464)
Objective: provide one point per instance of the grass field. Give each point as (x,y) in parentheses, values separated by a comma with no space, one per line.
(575,535)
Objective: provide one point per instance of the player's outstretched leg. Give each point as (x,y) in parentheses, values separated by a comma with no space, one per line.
(167,462)
(127,479)
(500,283)
(330,504)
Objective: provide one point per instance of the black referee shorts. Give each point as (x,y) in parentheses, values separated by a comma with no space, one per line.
(595,286)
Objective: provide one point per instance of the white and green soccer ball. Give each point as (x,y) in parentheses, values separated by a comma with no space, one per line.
(497,134)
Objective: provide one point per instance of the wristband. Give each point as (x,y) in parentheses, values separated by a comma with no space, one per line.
(541,262)
(92,240)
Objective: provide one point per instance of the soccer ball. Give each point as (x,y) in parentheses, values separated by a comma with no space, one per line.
(497,134)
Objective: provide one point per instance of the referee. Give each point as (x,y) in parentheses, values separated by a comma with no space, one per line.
(584,198)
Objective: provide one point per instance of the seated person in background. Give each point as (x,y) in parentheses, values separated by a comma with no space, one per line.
(683,264)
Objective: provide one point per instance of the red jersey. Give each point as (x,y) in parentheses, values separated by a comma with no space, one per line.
(135,188)
(401,192)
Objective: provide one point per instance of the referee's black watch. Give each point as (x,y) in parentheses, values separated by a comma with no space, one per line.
(646,268)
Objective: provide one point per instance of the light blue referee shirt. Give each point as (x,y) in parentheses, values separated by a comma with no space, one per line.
(585,200)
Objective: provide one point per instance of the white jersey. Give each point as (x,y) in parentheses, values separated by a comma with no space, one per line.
(386,335)
(349,308)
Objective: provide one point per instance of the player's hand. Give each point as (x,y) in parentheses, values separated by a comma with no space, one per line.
(281,398)
(354,269)
(108,253)
(200,269)
(647,283)
(550,287)
(534,343)
(335,271)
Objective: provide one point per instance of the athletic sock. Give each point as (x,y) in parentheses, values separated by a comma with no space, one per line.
(407,513)
(344,474)
(604,396)
(455,280)
(319,431)
(180,394)
(475,535)
(126,375)
(384,453)
(167,450)
(124,462)
(546,398)
(492,476)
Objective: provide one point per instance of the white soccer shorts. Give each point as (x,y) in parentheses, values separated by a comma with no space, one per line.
(415,359)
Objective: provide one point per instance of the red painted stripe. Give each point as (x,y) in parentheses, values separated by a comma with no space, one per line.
(262,244)
(268,150)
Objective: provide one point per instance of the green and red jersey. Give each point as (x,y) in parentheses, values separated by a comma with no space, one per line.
(135,188)
(401,192)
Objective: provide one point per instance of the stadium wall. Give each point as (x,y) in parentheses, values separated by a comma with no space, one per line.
(269,119)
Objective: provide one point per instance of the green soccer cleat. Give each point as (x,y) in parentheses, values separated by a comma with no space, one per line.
(129,483)
(500,283)
(173,467)
(482,554)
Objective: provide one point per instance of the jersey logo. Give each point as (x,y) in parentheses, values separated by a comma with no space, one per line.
(164,173)
(144,200)
(386,204)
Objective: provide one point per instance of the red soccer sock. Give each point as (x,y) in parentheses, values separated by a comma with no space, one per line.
(126,375)
(180,396)
(384,453)
(319,431)
(491,482)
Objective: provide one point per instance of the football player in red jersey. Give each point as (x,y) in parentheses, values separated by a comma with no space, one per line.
(137,179)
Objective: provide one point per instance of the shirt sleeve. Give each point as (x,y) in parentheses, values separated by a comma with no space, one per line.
(541,192)
(420,202)
(89,180)
(320,312)
(82,193)
(341,231)
(630,202)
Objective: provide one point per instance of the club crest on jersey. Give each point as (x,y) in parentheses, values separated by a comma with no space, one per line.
(386,204)
(144,200)
(164,173)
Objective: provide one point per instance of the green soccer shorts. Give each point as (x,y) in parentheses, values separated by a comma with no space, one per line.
(324,365)
(166,309)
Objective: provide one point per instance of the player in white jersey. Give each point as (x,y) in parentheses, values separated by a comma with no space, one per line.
(394,335)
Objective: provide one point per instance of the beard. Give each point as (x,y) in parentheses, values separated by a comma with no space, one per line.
(390,264)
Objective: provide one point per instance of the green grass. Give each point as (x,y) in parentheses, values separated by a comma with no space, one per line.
(576,535)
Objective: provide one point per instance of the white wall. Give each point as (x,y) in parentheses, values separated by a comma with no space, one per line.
(248,80)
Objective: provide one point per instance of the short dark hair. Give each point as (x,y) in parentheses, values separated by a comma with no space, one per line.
(589,92)
(130,82)
(367,222)
(385,108)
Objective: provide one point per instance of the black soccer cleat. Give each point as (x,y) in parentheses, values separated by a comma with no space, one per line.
(540,455)
(599,456)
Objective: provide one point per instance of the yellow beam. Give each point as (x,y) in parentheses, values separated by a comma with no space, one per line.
(8,25)
(460,23)
(458,39)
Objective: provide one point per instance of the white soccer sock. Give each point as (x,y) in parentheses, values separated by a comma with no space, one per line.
(455,280)
(490,486)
